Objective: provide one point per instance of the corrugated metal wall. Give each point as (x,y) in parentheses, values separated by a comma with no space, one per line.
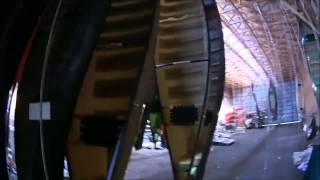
(244,98)
(286,98)
(287,101)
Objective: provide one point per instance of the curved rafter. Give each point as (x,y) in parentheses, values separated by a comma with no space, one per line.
(268,31)
(250,39)
(271,39)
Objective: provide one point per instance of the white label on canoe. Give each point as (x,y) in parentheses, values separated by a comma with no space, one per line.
(34,111)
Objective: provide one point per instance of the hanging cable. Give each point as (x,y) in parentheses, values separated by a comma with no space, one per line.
(42,82)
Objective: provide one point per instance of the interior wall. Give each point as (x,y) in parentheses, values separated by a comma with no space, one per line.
(244,98)
(235,98)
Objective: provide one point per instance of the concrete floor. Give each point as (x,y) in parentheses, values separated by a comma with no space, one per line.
(258,154)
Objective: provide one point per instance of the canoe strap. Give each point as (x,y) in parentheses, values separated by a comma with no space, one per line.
(100,130)
(184,115)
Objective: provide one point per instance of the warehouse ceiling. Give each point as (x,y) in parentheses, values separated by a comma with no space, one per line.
(262,39)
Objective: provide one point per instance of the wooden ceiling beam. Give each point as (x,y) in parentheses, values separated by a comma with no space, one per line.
(258,43)
(242,59)
(300,15)
(262,32)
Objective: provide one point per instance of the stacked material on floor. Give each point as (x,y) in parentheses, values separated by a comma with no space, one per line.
(148,139)
(301,159)
(222,139)
(313,170)
(225,128)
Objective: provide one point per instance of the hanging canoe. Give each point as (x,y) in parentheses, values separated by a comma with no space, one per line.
(73,36)
(215,89)
(16,15)
(189,58)
(272,101)
(312,51)
(110,104)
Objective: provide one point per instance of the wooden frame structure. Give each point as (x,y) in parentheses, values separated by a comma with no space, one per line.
(269,30)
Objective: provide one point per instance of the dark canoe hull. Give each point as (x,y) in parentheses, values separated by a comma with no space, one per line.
(312,49)
(273,103)
(72,43)
(215,87)
(16,15)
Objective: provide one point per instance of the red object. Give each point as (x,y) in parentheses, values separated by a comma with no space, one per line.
(237,116)
(27,51)
(230,117)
